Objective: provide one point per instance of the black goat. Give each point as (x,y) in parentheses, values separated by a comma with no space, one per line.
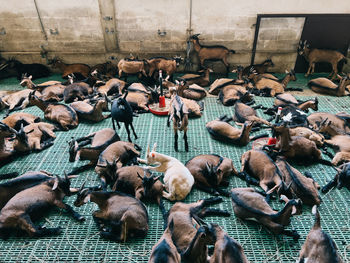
(122,112)
(35,69)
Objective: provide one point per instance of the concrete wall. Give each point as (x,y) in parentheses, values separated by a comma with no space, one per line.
(93,31)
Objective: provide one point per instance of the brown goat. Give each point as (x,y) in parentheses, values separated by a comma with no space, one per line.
(112,86)
(165,64)
(330,123)
(315,55)
(67,69)
(211,52)
(88,112)
(325,86)
(226,249)
(76,91)
(16,214)
(99,141)
(201,80)
(119,217)
(211,171)
(319,247)
(17,100)
(218,84)
(245,113)
(259,68)
(230,94)
(16,119)
(192,92)
(6,150)
(62,114)
(308,134)
(300,186)
(128,66)
(251,205)
(115,156)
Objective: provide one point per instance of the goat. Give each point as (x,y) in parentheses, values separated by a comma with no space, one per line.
(178,113)
(258,164)
(190,239)
(319,247)
(286,99)
(122,112)
(17,213)
(62,114)
(341,143)
(300,186)
(192,92)
(99,141)
(177,178)
(165,64)
(335,125)
(10,188)
(211,52)
(35,69)
(17,100)
(259,68)
(165,250)
(201,80)
(308,134)
(298,148)
(147,186)
(342,178)
(88,112)
(116,155)
(315,55)
(119,217)
(108,69)
(112,86)
(34,137)
(78,69)
(26,81)
(211,171)
(250,205)
(15,120)
(221,130)
(327,87)
(230,94)
(226,249)
(269,87)
(245,113)
(219,84)
(6,150)
(135,66)
(76,91)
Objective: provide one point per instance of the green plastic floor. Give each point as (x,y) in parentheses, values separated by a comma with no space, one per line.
(80,242)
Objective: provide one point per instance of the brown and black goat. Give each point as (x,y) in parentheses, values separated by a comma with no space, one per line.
(315,55)
(230,94)
(119,217)
(112,86)
(10,188)
(16,119)
(76,91)
(211,171)
(62,114)
(269,87)
(251,205)
(90,112)
(226,249)
(99,141)
(80,70)
(300,186)
(259,68)
(245,113)
(17,100)
(190,239)
(168,66)
(17,214)
(129,66)
(115,156)
(328,123)
(327,87)
(319,247)
(201,80)
(192,92)
(211,52)
(178,113)
(341,179)
(107,69)
(138,182)
(6,150)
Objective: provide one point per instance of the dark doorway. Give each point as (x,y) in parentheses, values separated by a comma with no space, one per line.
(327,32)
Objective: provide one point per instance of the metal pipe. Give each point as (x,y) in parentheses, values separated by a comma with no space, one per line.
(41,22)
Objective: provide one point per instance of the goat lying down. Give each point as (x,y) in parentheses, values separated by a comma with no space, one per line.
(177,178)
(251,205)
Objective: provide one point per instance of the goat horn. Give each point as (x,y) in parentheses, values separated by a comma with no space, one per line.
(82,186)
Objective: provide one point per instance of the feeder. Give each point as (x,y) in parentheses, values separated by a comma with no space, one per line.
(161,108)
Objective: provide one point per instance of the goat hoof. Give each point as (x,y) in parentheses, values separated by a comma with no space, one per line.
(81,218)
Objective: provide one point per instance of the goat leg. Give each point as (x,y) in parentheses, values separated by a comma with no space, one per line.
(128,131)
(133,130)
(213,212)
(291,233)
(207,189)
(70,210)
(186,142)
(175,141)
(329,186)
(80,169)
(8,175)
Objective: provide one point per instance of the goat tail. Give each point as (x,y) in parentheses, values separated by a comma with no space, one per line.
(232,51)
(315,212)
(8,175)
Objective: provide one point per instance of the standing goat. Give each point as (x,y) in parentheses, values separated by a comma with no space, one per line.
(179,114)
(122,112)
(315,55)
(177,178)
(211,52)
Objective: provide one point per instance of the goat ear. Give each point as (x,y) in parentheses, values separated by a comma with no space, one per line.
(154,147)
(207,166)
(286,71)
(294,210)
(87,198)
(30,77)
(314,210)
(73,190)
(55,185)
(148,150)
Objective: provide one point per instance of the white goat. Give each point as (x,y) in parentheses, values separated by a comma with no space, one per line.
(177,178)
